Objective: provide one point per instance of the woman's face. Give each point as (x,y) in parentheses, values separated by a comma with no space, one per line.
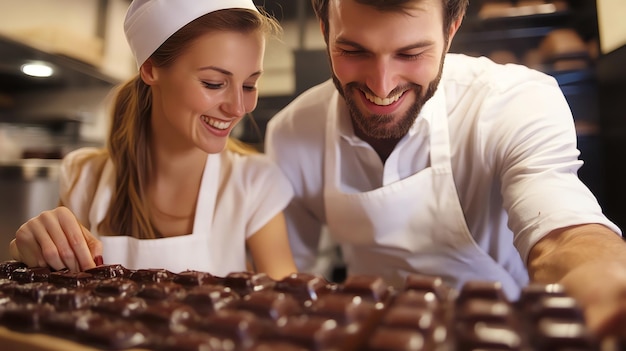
(200,98)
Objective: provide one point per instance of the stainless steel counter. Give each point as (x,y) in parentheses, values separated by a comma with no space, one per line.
(27,187)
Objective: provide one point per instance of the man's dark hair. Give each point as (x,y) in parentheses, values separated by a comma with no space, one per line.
(452,10)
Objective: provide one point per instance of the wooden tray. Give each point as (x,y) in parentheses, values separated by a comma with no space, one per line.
(15,341)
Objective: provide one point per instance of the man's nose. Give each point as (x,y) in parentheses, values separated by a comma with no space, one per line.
(382,78)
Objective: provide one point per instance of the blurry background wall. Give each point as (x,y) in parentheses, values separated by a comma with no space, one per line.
(89,34)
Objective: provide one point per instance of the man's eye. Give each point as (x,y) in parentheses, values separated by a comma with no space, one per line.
(410,56)
(350,52)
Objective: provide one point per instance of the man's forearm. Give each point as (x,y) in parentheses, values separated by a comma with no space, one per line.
(564,249)
(590,262)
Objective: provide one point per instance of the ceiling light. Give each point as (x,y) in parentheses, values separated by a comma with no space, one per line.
(37,69)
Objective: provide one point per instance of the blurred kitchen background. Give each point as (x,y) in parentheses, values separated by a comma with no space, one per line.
(581,43)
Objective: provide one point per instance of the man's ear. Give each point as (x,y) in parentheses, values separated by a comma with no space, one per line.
(148,73)
(454,27)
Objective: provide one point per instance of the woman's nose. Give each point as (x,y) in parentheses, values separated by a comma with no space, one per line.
(234,105)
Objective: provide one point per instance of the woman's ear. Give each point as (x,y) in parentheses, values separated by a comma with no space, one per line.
(148,73)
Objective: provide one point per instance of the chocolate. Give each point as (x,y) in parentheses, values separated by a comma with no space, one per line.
(385,338)
(416,298)
(168,315)
(561,307)
(161,291)
(275,345)
(63,322)
(112,307)
(427,283)
(484,310)
(304,287)
(24,316)
(206,299)
(4,300)
(122,307)
(418,319)
(239,326)
(33,292)
(194,341)
(553,334)
(371,288)
(192,278)
(151,275)
(244,283)
(344,309)
(118,287)
(8,287)
(312,333)
(112,334)
(268,304)
(482,290)
(68,279)
(64,299)
(109,271)
(29,275)
(7,268)
(487,336)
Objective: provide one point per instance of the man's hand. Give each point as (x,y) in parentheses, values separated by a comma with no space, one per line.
(590,262)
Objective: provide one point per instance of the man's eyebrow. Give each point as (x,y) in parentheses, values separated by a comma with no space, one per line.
(225,72)
(417,45)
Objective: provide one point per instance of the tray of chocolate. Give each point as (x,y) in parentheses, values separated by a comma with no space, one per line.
(111,307)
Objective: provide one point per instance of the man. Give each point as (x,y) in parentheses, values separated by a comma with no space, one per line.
(421,161)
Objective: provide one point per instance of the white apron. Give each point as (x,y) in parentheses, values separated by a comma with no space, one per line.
(415,225)
(177,253)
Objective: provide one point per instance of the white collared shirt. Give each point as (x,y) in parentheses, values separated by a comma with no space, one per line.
(514,157)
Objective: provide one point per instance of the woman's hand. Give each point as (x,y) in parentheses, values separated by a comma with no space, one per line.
(55,238)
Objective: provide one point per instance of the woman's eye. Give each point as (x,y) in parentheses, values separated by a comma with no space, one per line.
(249,87)
(212,85)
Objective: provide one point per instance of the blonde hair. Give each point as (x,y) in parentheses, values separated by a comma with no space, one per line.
(127,144)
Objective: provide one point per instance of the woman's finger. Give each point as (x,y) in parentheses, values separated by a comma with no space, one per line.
(95,245)
(27,249)
(79,255)
(51,240)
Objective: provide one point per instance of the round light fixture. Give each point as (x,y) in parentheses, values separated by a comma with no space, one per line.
(37,69)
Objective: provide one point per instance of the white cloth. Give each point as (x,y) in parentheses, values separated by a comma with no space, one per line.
(149,23)
(513,156)
(249,191)
(427,234)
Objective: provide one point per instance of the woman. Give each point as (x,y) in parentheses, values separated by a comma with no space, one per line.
(171,190)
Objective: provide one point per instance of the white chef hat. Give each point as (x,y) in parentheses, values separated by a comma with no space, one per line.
(149,23)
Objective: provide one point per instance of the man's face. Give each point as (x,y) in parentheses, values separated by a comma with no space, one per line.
(385,64)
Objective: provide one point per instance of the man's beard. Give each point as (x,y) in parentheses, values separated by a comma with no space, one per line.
(378,126)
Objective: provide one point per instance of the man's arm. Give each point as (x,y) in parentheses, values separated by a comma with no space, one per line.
(590,262)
